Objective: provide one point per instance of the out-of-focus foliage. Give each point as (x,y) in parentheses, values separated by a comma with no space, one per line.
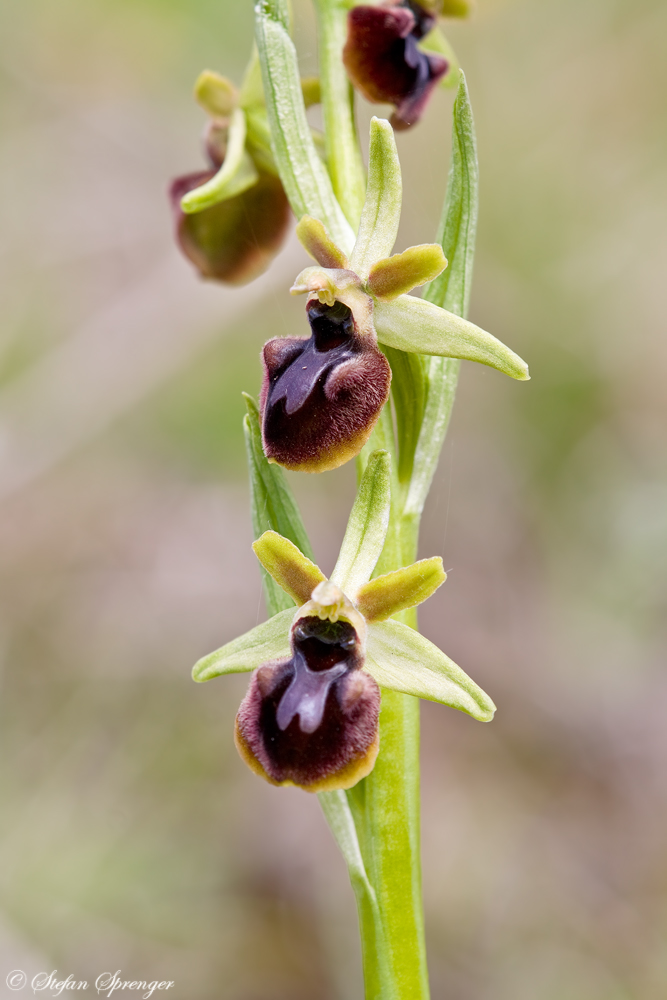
(131,835)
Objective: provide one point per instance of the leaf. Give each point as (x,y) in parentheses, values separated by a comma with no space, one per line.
(400,658)
(402,272)
(316,241)
(451,290)
(413,324)
(272,505)
(386,595)
(382,208)
(408,391)
(268,641)
(366,527)
(338,814)
(290,569)
(237,173)
(303,174)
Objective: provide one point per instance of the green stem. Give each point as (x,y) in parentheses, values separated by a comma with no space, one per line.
(344,161)
(386,804)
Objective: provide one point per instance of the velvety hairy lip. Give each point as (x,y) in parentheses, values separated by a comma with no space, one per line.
(314,717)
(322,395)
(384,63)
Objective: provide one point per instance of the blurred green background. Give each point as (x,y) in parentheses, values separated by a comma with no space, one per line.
(132,836)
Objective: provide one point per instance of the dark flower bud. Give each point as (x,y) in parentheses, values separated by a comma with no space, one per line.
(312,720)
(384,63)
(322,395)
(235,240)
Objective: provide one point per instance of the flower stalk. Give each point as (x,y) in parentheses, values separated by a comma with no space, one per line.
(376,379)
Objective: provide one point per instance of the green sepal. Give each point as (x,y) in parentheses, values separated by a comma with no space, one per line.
(268,641)
(301,170)
(400,658)
(291,570)
(381,213)
(216,94)
(316,241)
(271,503)
(393,276)
(413,324)
(367,526)
(436,41)
(237,173)
(404,588)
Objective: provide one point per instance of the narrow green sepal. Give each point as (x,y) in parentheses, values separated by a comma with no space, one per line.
(367,526)
(288,566)
(403,660)
(216,94)
(413,324)
(402,272)
(237,173)
(404,588)
(268,641)
(381,213)
(316,241)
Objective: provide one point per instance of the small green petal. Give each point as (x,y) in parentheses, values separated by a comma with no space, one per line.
(268,641)
(216,94)
(317,242)
(396,275)
(386,595)
(454,8)
(402,659)
(382,208)
(413,324)
(311,90)
(367,526)
(291,570)
(236,174)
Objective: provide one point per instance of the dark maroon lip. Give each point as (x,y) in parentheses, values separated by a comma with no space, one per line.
(384,62)
(331,343)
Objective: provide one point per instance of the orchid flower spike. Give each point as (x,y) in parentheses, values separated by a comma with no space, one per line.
(232,218)
(322,396)
(310,716)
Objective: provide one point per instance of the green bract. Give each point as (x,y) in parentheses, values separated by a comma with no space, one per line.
(397,657)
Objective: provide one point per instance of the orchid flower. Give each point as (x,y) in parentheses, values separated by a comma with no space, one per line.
(310,716)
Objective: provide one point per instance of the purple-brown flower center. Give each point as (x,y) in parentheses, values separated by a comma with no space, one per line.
(323,653)
(331,343)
